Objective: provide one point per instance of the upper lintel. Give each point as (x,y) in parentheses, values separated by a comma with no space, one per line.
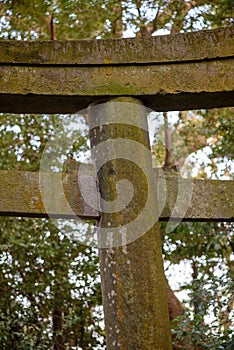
(197,46)
(171,72)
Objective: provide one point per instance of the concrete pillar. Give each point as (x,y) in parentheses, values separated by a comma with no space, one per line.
(133,282)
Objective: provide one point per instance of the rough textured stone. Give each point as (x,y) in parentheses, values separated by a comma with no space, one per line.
(20,195)
(33,194)
(133,282)
(179,72)
(203,45)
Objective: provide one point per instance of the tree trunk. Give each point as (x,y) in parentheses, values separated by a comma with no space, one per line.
(117,24)
(57,321)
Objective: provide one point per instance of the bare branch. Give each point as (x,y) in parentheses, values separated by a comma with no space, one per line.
(52,27)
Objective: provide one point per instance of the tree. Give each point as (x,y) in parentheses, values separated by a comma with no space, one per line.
(47,287)
(50,290)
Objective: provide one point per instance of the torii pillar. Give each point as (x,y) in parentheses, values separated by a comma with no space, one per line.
(132,274)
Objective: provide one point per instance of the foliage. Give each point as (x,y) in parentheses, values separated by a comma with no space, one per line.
(46,277)
(49,277)
(50,291)
(97,18)
(208,248)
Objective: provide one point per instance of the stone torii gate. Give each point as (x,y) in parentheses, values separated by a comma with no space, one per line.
(165,73)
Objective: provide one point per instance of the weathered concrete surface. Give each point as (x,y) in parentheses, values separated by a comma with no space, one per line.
(28,194)
(196,46)
(21,195)
(185,71)
(161,87)
(207,200)
(132,274)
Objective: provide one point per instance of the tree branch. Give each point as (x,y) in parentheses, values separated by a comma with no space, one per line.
(52,27)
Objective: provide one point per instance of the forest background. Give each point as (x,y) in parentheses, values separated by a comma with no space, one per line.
(50,295)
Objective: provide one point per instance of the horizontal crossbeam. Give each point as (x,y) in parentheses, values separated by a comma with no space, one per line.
(21,194)
(33,194)
(201,45)
(178,72)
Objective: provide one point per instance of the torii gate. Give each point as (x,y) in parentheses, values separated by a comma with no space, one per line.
(174,72)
